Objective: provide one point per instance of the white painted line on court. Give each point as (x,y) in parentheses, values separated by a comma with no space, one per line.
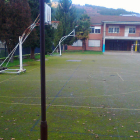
(57,69)
(33,69)
(18,103)
(25,80)
(90,107)
(14,76)
(120,77)
(21,97)
(74,106)
(54,97)
(74,96)
(8,79)
(49,81)
(95,107)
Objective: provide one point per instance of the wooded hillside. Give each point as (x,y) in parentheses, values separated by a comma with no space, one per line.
(97,10)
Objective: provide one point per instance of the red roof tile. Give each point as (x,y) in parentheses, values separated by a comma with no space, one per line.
(98,19)
(54,21)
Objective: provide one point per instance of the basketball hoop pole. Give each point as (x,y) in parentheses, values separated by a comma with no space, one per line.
(65,37)
(43,125)
(20,53)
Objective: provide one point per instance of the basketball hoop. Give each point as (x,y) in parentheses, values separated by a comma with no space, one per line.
(63,38)
(22,39)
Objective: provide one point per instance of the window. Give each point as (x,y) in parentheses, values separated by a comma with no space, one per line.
(132,30)
(78,43)
(110,30)
(96,30)
(114,30)
(94,43)
(92,29)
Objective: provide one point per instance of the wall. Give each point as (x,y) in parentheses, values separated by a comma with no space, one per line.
(74,48)
(122,31)
(137,34)
(92,36)
(95,36)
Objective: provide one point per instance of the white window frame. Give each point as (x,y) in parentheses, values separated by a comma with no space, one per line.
(95,43)
(133,28)
(95,30)
(114,29)
(78,43)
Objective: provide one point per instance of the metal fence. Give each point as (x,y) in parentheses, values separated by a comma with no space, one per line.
(26,50)
(3,52)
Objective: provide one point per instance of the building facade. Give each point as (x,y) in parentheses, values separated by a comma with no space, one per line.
(116,33)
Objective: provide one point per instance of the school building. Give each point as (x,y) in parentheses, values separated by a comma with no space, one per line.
(116,33)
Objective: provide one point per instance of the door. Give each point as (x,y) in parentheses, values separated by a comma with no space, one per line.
(126,31)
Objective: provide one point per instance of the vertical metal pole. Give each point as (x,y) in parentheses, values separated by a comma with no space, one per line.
(43,125)
(132,49)
(104,34)
(60,48)
(136,46)
(20,53)
(5,49)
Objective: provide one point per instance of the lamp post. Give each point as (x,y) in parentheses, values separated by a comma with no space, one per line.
(43,125)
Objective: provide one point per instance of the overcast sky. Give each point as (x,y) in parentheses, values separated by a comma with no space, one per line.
(129,5)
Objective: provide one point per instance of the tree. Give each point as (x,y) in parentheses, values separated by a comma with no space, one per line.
(83,29)
(33,40)
(109,11)
(17,19)
(66,14)
(58,34)
(49,37)
(2,16)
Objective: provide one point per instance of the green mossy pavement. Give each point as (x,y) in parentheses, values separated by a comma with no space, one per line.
(95,98)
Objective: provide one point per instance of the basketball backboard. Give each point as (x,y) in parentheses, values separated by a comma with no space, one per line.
(47,14)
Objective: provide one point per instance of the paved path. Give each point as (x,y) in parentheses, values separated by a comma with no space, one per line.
(121,53)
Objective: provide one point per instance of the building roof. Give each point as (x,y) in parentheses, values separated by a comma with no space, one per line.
(54,21)
(98,19)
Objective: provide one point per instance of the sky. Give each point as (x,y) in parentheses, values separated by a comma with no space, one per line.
(128,5)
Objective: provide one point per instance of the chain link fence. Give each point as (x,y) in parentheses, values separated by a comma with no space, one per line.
(3,50)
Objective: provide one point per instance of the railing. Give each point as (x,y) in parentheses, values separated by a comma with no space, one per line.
(123,34)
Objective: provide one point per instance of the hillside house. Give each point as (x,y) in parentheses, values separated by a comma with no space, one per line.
(54,24)
(116,33)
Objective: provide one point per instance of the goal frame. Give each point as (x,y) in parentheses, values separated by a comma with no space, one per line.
(26,33)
